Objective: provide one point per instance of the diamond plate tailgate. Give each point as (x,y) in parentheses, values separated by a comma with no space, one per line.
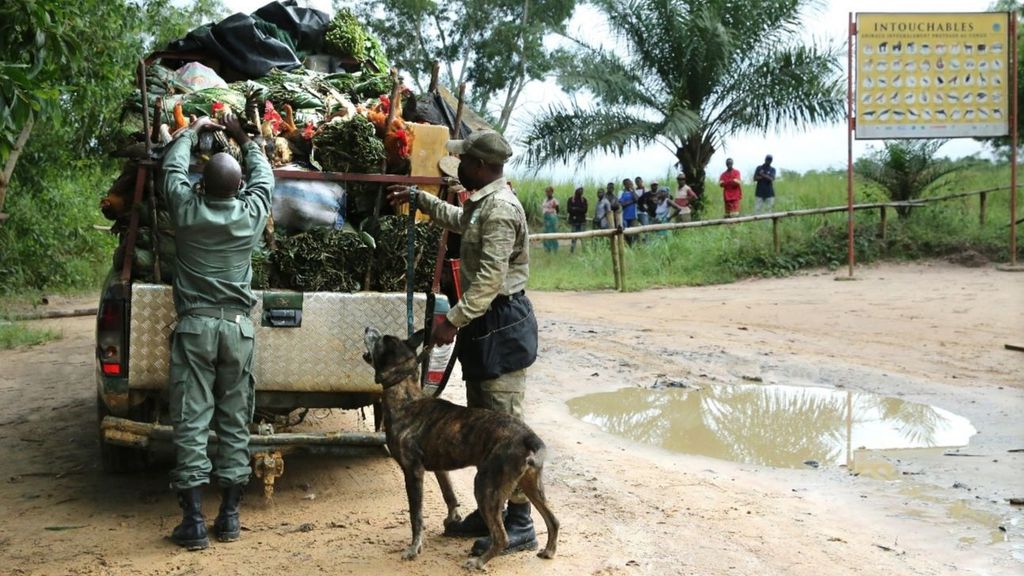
(325,354)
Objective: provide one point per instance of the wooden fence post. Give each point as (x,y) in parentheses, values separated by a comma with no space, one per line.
(620,250)
(775,236)
(982,201)
(881,223)
(615,261)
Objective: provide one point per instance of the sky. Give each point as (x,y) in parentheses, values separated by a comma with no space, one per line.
(813,149)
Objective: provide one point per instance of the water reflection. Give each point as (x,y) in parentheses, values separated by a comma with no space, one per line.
(771,425)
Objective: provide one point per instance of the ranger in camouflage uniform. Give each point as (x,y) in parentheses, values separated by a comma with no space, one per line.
(212,349)
(494,319)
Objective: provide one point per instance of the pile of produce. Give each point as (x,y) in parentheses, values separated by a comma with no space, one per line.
(304,119)
(323,260)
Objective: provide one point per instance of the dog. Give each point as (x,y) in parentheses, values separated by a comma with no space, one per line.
(425,433)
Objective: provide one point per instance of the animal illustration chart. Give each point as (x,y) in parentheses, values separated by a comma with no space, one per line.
(932,75)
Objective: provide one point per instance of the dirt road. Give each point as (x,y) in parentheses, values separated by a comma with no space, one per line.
(929,333)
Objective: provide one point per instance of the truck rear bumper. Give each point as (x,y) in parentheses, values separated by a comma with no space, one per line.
(267,450)
(125,432)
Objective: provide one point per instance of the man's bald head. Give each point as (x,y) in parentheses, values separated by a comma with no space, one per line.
(222,175)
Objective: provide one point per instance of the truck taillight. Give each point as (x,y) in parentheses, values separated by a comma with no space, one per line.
(110,337)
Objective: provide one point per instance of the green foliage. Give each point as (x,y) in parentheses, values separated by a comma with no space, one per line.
(349,146)
(904,169)
(49,241)
(347,38)
(694,72)
(86,66)
(13,335)
(497,46)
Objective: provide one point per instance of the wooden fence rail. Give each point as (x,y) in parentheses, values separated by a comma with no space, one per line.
(617,233)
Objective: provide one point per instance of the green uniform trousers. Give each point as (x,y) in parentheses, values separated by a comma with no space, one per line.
(211,382)
(502,394)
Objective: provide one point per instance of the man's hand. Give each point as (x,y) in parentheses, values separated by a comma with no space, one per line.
(234,129)
(203,124)
(398,195)
(443,333)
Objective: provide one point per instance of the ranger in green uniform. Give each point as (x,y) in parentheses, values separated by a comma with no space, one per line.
(216,230)
(494,319)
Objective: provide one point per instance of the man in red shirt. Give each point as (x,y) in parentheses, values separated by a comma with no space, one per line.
(731,191)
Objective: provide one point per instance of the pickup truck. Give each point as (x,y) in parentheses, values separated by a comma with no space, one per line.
(308,354)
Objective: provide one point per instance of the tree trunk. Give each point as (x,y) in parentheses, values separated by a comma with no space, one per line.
(12,159)
(693,157)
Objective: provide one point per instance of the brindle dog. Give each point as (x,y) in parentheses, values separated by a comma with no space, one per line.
(425,433)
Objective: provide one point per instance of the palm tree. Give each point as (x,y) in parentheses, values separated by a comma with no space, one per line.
(904,169)
(686,74)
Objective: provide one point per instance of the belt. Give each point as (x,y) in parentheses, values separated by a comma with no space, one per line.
(230,314)
(502,298)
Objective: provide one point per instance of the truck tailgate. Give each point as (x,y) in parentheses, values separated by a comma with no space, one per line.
(324,354)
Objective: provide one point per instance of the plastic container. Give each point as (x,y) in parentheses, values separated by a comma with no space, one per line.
(439,355)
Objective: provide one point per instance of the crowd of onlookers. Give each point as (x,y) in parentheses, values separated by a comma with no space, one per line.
(640,205)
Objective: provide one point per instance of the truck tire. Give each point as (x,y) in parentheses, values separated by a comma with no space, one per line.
(117,459)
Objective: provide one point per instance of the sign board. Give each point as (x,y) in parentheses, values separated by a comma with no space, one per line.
(932,75)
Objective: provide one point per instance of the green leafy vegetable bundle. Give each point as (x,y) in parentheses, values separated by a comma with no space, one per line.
(349,145)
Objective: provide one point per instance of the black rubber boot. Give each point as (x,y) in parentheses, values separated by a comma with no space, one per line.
(227,527)
(519,526)
(191,533)
(472,526)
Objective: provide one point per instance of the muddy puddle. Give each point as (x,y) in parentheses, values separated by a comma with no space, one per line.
(771,425)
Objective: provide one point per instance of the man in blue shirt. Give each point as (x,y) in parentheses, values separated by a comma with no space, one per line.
(628,201)
(764,196)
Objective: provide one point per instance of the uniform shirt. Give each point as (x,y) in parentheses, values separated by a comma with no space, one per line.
(731,190)
(765,186)
(495,246)
(214,237)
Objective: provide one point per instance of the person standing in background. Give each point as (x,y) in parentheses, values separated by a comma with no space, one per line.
(732,193)
(764,195)
(549,208)
(628,202)
(684,196)
(577,209)
(603,212)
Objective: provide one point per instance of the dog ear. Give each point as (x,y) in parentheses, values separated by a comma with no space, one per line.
(416,340)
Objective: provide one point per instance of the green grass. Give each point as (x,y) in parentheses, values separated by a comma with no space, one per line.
(722,254)
(16,334)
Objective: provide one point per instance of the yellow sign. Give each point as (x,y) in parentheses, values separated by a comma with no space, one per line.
(932,75)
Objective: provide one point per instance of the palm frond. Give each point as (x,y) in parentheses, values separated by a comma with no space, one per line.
(792,86)
(571,133)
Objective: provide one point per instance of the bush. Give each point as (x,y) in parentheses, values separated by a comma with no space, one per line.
(48,243)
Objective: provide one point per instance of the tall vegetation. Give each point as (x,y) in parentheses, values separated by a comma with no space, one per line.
(497,46)
(688,74)
(904,169)
(65,70)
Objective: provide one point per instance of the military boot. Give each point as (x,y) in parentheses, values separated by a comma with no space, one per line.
(472,526)
(227,527)
(191,533)
(519,526)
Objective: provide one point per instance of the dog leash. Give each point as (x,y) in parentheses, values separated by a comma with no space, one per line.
(410,258)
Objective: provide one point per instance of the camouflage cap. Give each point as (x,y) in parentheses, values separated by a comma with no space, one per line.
(486,145)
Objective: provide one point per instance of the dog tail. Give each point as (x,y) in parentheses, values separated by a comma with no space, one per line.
(538,451)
